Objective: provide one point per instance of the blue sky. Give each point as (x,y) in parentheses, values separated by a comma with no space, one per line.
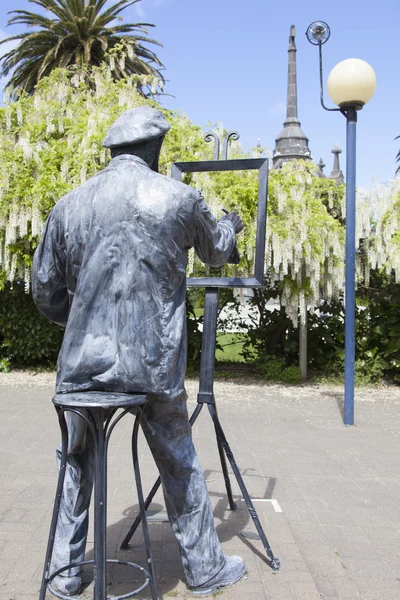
(226,60)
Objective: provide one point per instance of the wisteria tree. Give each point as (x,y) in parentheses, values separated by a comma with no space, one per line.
(378,209)
(52,141)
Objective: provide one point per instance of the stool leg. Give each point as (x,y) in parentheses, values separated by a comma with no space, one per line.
(57,501)
(100,508)
(142,507)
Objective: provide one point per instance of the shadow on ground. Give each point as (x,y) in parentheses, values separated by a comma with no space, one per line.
(167,563)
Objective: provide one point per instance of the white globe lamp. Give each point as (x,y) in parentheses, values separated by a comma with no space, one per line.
(351,82)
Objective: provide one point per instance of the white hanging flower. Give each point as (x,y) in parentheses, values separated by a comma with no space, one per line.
(281,196)
(36,221)
(50,126)
(19,113)
(190,261)
(83,174)
(130,51)
(302,306)
(23,222)
(13,266)
(75,80)
(11,228)
(8,117)
(27,280)
(26,146)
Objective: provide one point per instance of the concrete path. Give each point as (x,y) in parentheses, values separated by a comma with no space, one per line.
(328,496)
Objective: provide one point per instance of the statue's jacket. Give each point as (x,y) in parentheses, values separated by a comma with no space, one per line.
(111,269)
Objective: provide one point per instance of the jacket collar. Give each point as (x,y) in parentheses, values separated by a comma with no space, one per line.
(131,157)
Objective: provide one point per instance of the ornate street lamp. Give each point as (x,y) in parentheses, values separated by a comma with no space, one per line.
(351,84)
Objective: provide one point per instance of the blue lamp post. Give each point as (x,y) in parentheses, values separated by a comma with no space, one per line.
(351,84)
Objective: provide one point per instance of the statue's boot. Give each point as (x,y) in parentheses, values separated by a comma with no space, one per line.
(231,572)
(69,586)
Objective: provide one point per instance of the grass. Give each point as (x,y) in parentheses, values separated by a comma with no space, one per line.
(231,344)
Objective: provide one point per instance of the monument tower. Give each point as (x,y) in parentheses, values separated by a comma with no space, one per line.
(291,143)
(337,173)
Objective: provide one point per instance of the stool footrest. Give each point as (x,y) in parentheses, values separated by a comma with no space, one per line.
(91,562)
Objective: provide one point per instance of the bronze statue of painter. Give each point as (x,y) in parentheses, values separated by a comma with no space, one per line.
(111,269)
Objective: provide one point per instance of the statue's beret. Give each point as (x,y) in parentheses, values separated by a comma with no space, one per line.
(135,126)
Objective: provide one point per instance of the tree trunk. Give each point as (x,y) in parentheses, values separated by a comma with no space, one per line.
(303,347)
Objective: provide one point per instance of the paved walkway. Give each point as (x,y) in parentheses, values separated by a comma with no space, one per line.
(338,490)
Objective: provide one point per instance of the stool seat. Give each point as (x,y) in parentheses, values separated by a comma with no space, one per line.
(99,399)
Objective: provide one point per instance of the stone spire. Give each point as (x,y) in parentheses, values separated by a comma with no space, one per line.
(291,143)
(337,173)
(321,166)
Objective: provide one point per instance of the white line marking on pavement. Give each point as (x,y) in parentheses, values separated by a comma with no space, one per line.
(274,503)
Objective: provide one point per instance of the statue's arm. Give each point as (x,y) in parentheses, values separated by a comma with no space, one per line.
(214,241)
(49,287)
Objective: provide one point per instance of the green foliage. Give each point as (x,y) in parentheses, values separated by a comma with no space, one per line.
(377,333)
(305,236)
(271,367)
(380,330)
(326,338)
(238,190)
(378,219)
(4,365)
(26,338)
(230,347)
(291,375)
(194,336)
(272,341)
(271,335)
(77,33)
(52,142)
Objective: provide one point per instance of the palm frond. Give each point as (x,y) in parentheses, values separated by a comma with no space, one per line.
(115,9)
(76,32)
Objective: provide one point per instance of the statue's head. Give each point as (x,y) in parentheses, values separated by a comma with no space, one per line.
(139,131)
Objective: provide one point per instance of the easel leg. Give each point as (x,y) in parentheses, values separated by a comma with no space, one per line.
(275,563)
(232,503)
(137,521)
(206,396)
(207,367)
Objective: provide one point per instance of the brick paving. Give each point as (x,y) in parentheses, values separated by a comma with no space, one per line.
(338,535)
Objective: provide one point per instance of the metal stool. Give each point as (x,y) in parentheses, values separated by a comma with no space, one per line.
(98,410)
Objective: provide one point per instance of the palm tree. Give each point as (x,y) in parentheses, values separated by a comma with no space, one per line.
(79,34)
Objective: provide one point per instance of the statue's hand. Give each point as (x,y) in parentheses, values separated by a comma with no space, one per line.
(235,219)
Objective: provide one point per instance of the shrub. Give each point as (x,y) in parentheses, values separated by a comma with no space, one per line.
(291,375)
(272,367)
(26,337)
